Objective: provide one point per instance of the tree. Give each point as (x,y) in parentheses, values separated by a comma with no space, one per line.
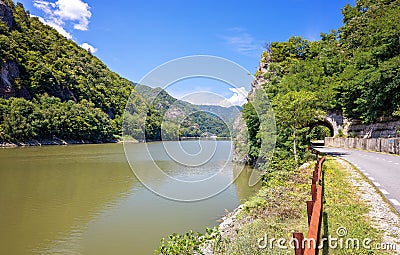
(296,109)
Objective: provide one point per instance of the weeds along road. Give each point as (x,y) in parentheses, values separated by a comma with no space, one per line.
(383,170)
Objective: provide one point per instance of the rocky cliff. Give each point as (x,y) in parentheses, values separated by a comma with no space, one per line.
(240,131)
(6,14)
(9,72)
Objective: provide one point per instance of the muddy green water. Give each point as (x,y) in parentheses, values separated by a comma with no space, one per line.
(85,199)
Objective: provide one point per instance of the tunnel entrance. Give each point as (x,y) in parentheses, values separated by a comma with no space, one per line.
(320,130)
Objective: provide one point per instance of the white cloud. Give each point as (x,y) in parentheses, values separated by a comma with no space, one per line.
(74,10)
(89,47)
(46,7)
(57,27)
(57,13)
(242,42)
(239,96)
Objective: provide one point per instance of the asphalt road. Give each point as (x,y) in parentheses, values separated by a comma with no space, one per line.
(382,169)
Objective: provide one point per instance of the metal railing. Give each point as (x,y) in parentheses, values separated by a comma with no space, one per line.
(309,246)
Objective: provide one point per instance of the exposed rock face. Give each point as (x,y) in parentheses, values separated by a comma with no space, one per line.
(259,76)
(6,14)
(376,130)
(8,72)
(240,137)
(9,69)
(240,132)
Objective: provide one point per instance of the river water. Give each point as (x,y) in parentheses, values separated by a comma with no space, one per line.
(85,199)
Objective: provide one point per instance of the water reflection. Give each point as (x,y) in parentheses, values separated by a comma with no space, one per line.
(84,199)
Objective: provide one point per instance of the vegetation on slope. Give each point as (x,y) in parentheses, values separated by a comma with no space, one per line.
(52,88)
(67,92)
(355,69)
(183,119)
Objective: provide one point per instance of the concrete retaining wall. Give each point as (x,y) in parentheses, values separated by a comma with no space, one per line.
(389,145)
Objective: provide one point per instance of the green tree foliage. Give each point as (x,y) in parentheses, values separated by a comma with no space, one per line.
(48,117)
(319,133)
(370,39)
(20,120)
(73,95)
(296,110)
(253,127)
(355,69)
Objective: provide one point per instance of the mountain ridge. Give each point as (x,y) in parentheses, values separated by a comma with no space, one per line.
(51,88)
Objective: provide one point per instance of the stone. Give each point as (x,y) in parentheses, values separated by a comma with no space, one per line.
(8,72)
(6,14)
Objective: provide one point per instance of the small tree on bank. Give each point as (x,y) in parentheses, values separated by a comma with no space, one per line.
(296,109)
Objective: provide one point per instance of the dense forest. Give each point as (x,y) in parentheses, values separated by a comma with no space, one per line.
(355,69)
(51,88)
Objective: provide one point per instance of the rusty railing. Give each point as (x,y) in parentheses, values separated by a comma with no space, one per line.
(309,246)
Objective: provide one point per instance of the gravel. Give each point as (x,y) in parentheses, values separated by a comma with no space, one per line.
(381,213)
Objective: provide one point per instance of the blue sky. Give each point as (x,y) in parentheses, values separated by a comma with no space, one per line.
(134,37)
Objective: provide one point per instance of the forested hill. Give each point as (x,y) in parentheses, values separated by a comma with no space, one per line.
(355,69)
(194,120)
(50,88)
(162,100)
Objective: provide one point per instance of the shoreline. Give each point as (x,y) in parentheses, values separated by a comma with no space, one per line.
(57,141)
(49,142)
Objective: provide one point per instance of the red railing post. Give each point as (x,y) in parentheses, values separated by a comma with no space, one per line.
(310,206)
(313,192)
(298,239)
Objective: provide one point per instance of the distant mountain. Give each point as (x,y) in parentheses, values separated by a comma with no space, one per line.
(228,114)
(213,119)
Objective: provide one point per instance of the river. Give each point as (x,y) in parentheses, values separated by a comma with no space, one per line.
(85,199)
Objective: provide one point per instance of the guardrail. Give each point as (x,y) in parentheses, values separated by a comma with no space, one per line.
(309,246)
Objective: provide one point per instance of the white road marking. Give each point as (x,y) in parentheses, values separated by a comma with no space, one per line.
(371,178)
(395,202)
(390,161)
(377,158)
(396,163)
(366,173)
(377,184)
(384,192)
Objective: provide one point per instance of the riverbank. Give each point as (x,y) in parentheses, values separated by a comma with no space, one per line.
(56,141)
(275,211)
(279,209)
(46,142)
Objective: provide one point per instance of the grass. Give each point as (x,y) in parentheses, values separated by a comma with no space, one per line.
(279,209)
(276,212)
(343,208)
